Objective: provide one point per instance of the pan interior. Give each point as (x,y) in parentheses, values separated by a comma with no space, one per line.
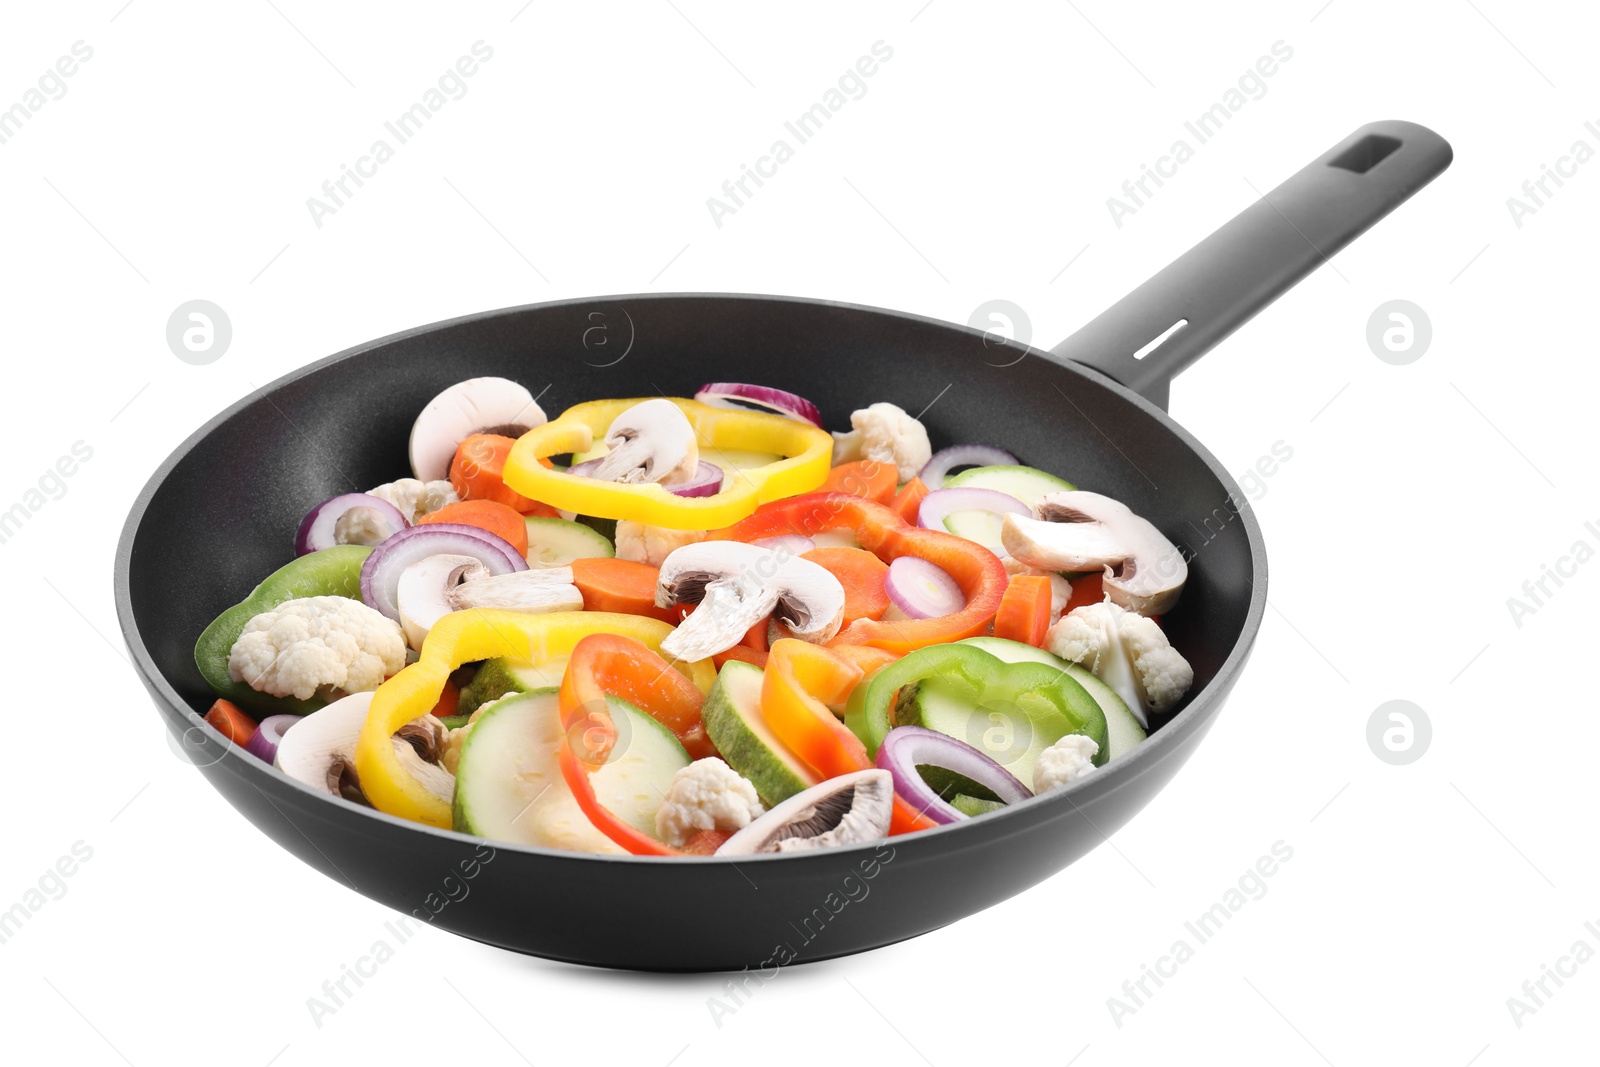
(225,514)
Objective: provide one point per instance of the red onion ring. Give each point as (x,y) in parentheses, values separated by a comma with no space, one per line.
(905,747)
(724,395)
(263,744)
(317,529)
(707,480)
(938,505)
(921,589)
(380,574)
(947,459)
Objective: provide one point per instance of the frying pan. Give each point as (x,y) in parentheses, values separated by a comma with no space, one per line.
(221,512)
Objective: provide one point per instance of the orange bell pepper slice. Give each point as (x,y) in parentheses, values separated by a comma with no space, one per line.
(801,680)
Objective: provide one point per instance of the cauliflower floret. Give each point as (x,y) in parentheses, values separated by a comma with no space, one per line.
(1128,652)
(455,740)
(706,795)
(360,526)
(1067,760)
(1060,588)
(327,643)
(886,434)
(415,498)
(643,543)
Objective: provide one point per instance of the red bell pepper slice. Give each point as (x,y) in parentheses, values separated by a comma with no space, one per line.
(604,665)
(977,571)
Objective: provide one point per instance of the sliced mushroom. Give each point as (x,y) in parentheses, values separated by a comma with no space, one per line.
(427,737)
(320,750)
(737,585)
(1082,531)
(423,594)
(847,810)
(650,442)
(434,586)
(537,589)
(477,405)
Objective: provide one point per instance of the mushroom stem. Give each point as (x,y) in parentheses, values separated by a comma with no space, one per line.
(653,441)
(729,607)
(1082,531)
(535,590)
(736,586)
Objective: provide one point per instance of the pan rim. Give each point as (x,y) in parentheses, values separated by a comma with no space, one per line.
(1145,757)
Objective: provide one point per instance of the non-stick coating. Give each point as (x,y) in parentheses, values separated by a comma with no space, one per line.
(222,512)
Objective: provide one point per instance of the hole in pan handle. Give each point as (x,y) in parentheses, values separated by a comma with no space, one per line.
(1219,284)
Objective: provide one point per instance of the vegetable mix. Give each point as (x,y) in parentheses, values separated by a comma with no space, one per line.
(692,627)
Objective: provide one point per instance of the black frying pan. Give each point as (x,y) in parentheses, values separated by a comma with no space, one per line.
(221,512)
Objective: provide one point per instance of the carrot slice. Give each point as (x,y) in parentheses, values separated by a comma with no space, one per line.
(1085,590)
(230,722)
(755,638)
(861,574)
(909,499)
(705,842)
(1024,613)
(865,477)
(499,519)
(449,699)
(742,653)
(620,585)
(477,474)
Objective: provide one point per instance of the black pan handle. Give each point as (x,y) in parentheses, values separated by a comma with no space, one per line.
(1219,285)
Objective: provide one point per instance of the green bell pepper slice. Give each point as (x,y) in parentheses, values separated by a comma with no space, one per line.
(1050,699)
(330,572)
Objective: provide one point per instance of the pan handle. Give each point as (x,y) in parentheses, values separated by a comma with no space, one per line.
(1219,284)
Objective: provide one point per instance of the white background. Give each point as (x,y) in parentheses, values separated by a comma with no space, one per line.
(977,166)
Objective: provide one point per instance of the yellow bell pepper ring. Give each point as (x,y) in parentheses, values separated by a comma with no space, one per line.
(465,637)
(807,452)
